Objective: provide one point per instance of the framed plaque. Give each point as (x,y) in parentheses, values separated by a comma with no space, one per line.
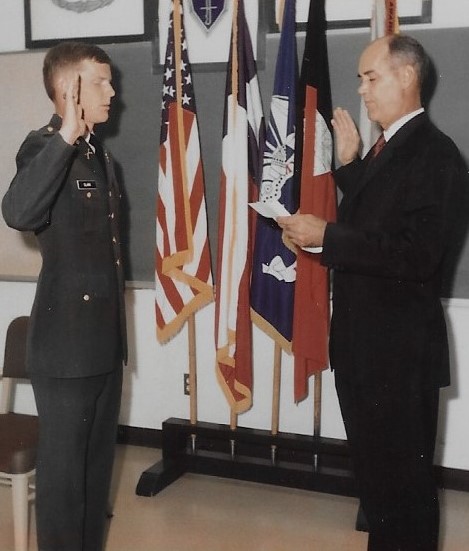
(99,21)
(208,30)
(351,14)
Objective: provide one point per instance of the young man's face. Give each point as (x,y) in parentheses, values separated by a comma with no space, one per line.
(95,91)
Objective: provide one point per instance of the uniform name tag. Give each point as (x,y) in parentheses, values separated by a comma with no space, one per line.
(86,184)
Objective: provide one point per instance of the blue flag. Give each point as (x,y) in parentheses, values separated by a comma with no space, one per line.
(274,264)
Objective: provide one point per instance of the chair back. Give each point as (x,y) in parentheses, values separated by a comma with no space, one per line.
(19,433)
(14,365)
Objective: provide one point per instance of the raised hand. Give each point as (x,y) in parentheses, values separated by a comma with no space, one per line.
(73,125)
(347,136)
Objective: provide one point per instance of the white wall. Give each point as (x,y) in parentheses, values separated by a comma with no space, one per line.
(452,444)
(450,13)
(12,26)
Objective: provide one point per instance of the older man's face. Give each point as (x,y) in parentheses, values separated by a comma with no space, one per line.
(382,85)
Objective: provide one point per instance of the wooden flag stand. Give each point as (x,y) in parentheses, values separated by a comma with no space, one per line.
(304,462)
(270,457)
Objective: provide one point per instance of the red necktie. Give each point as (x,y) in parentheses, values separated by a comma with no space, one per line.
(376,149)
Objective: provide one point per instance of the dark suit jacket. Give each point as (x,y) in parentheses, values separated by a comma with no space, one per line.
(396,224)
(71,202)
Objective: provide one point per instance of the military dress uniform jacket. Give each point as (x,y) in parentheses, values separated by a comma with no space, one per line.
(397,221)
(71,202)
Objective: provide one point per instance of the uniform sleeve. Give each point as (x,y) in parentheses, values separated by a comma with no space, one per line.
(42,164)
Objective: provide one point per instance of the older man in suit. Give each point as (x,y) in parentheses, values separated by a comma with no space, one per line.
(397,223)
(65,191)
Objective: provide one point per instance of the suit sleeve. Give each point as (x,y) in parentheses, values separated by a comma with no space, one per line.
(413,243)
(346,175)
(42,164)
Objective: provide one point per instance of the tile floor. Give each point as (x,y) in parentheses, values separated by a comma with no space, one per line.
(201,513)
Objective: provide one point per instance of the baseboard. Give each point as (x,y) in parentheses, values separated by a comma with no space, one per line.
(451,479)
(137,436)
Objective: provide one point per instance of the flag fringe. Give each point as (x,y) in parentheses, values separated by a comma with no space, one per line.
(190,280)
(237,406)
(271,331)
(171,329)
(173,262)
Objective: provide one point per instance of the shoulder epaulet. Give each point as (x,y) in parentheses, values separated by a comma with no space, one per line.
(48,130)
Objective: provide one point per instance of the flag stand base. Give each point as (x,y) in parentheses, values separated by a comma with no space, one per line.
(291,460)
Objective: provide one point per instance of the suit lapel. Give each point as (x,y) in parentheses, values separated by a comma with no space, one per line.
(398,144)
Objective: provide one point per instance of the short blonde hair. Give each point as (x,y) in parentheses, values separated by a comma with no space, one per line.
(68,54)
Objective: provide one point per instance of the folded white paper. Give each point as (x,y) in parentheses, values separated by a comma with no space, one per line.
(272,209)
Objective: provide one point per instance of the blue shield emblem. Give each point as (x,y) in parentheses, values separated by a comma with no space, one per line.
(208,11)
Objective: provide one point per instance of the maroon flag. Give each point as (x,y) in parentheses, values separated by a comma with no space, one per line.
(183,269)
(313,161)
(242,133)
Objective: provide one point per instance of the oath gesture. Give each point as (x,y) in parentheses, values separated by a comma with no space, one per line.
(73,125)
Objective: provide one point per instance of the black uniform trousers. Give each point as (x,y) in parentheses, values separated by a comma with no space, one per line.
(391,432)
(78,428)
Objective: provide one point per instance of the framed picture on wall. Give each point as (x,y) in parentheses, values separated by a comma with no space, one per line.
(99,21)
(353,13)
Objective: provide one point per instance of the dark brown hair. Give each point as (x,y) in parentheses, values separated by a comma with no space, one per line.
(408,50)
(68,54)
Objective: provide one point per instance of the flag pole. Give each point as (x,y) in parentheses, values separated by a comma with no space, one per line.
(182,151)
(234,94)
(276,398)
(192,369)
(233,418)
(317,411)
(276,389)
(233,425)
(180,111)
(280,11)
(317,403)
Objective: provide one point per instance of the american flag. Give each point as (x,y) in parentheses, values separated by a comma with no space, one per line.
(183,268)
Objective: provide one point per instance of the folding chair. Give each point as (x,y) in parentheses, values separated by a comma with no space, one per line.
(18,433)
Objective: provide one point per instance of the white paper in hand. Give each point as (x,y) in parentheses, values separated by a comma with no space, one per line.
(272,209)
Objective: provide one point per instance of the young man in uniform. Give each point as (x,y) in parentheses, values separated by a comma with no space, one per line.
(65,191)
